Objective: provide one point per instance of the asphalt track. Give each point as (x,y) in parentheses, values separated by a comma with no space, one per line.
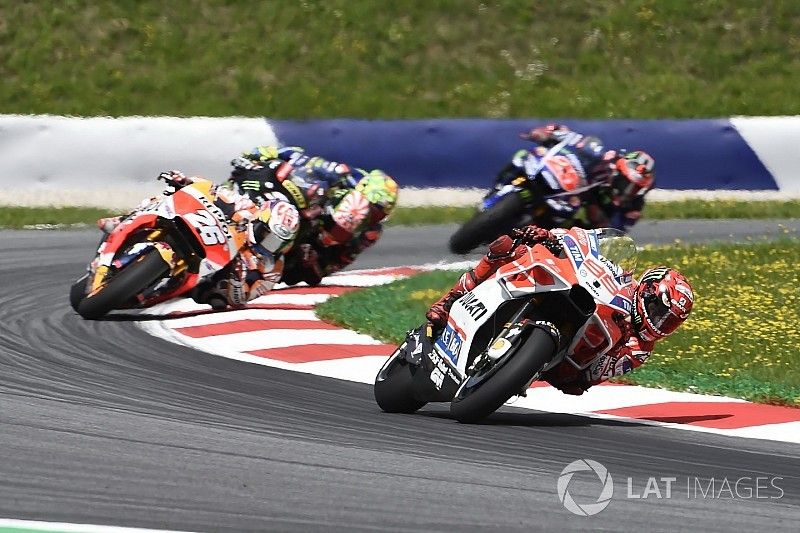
(100,423)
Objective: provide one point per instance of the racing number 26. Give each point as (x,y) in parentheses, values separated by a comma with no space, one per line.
(206,226)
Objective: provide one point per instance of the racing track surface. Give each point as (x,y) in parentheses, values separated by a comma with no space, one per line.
(100,423)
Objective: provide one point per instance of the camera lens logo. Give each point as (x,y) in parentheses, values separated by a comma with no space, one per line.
(586,509)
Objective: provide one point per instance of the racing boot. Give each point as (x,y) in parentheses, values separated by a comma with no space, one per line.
(501,252)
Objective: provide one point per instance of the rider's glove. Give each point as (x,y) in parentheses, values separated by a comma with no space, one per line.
(174,176)
(175,179)
(531,235)
(244,163)
(545,133)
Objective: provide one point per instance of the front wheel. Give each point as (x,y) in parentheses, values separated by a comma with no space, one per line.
(77,292)
(487,225)
(121,288)
(482,395)
(394,386)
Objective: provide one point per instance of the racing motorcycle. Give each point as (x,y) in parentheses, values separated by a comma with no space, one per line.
(173,246)
(562,303)
(298,185)
(548,195)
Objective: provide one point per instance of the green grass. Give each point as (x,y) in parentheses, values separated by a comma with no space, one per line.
(714,209)
(401,58)
(19,217)
(721,209)
(741,340)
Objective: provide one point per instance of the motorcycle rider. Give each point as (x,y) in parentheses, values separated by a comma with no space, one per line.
(662,301)
(347,219)
(249,167)
(618,180)
(351,223)
(270,230)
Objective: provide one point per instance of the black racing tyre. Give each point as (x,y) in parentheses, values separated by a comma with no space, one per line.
(487,225)
(128,283)
(506,379)
(394,387)
(77,292)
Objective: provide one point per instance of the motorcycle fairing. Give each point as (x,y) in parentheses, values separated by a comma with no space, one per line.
(467,315)
(208,223)
(541,271)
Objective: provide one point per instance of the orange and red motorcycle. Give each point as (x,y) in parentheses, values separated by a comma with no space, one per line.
(162,251)
(563,303)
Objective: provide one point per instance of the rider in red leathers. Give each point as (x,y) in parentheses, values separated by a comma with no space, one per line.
(662,301)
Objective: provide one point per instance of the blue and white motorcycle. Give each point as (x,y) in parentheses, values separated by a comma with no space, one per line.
(542,186)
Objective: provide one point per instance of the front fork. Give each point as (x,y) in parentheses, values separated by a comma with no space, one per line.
(514,333)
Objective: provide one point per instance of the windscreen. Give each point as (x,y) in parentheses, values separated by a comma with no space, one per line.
(618,247)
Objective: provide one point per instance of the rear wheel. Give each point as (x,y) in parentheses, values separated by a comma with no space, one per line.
(487,225)
(484,393)
(394,386)
(121,288)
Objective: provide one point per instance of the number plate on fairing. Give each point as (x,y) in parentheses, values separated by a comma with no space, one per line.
(449,343)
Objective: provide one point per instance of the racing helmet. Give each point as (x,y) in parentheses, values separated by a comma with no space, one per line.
(635,175)
(662,301)
(380,189)
(275,228)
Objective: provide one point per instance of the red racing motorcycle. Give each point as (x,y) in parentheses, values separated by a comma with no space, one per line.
(561,304)
(164,251)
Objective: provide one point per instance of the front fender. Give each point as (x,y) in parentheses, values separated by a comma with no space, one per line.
(436,380)
(489,201)
(516,334)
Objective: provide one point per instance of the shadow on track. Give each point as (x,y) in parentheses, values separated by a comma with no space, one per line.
(535,419)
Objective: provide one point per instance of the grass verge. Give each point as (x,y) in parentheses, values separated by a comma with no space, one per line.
(681,209)
(18,217)
(402,59)
(742,339)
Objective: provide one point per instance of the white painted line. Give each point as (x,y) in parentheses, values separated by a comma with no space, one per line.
(242,314)
(754,432)
(601,398)
(292,299)
(63,527)
(786,431)
(363,369)
(355,280)
(282,338)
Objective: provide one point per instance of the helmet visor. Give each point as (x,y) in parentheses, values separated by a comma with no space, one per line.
(660,315)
